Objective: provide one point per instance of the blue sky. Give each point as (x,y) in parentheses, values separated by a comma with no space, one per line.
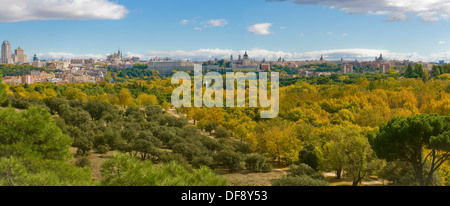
(203,29)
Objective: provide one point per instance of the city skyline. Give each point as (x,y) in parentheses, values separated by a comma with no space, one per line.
(202,30)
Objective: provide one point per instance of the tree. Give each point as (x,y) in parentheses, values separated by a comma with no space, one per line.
(146,100)
(197,114)
(308,156)
(360,158)
(411,73)
(75,94)
(230,160)
(418,140)
(3,92)
(32,133)
(48,93)
(255,162)
(188,150)
(125,97)
(98,109)
(221,132)
(209,127)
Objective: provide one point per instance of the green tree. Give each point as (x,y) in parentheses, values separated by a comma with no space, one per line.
(229,159)
(308,155)
(3,92)
(418,140)
(32,132)
(123,170)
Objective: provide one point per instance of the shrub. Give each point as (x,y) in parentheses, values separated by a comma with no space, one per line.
(209,127)
(267,168)
(221,132)
(102,149)
(83,162)
(304,169)
(200,161)
(255,162)
(229,159)
(188,150)
(301,175)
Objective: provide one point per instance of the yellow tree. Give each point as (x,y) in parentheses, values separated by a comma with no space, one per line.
(75,94)
(215,115)
(197,114)
(277,139)
(48,93)
(146,100)
(125,98)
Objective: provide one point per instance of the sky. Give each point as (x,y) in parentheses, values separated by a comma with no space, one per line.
(206,29)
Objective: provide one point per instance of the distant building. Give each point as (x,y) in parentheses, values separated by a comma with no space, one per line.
(6,53)
(384,68)
(265,66)
(166,66)
(346,68)
(305,73)
(36,62)
(322,60)
(115,57)
(379,59)
(19,56)
(244,63)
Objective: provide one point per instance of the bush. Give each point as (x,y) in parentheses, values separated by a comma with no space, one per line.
(200,161)
(241,147)
(123,170)
(83,162)
(102,149)
(255,162)
(301,175)
(229,159)
(188,150)
(221,132)
(171,157)
(267,168)
(304,169)
(209,127)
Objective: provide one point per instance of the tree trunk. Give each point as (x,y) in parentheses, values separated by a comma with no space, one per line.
(419,176)
(338,174)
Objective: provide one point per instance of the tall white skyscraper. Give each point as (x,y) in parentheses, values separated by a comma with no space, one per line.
(6,53)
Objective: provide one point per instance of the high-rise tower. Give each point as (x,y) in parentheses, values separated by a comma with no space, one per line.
(6,53)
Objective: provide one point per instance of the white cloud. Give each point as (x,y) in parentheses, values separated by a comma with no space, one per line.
(66,55)
(260,29)
(26,10)
(344,34)
(442,42)
(256,53)
(215,23)
(329,33)
(184,22)
(335,54)
(427,10)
